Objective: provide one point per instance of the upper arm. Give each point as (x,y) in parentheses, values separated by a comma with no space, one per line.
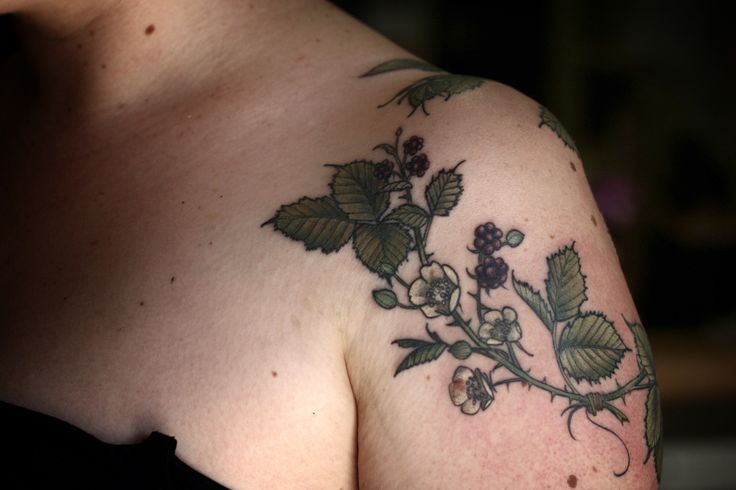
(545,407)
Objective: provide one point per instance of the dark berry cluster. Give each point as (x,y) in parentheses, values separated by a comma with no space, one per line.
(418,165)
(487,238)
(383,169)
(413,145)
(491,273)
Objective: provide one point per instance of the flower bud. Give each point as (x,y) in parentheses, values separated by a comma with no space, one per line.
(461,350)
(385,298)
(514,238)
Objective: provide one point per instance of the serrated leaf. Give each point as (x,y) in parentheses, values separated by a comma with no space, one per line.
(358,192)
(535,301)
(443,192)
(319,223)
(653,428)
(546,118)
(421,355)
(409,215)
(400,64)
(644,355)
(399,185)
(381,247)
(425,89)
(565,283)
(590,348)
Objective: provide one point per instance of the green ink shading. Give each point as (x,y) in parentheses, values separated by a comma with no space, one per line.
(546,118)
(417,94)
(385,232)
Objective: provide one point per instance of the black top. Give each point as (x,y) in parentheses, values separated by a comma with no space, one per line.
(45,452)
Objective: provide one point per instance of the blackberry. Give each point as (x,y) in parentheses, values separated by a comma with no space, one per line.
(487,238)
(413,145)
(491,273)
(418,165)
(383,169)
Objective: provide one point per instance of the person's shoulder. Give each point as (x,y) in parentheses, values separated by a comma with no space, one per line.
(496,302)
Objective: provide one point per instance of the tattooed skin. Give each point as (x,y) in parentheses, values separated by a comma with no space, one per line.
(585,343)
(417,94)
(546,118)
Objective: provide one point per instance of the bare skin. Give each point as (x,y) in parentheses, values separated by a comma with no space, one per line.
(147,143)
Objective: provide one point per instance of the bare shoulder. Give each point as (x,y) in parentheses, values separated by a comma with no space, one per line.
(491,339)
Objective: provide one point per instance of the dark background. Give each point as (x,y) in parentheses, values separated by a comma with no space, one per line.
(645,88)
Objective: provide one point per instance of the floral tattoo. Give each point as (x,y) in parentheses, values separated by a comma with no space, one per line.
(586,345)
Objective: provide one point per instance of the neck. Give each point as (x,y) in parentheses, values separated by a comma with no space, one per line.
(93,55)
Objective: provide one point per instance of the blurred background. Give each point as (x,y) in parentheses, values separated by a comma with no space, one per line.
(646,90)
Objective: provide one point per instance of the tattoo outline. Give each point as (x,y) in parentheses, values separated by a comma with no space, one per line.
(586,344)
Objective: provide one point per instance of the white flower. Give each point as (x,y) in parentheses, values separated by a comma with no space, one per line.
(500,327)
(436,291)
(471,390)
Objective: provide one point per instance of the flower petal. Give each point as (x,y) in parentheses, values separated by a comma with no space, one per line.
(432,272)
(458,387)
(509,314)
(454,299)
(470,407)
(493,316)
(514,333)
(418,292)
(431,311)
(451,274)
(484,332)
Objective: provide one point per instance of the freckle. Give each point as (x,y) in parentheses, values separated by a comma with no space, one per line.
(121,106)
(274,374)
(428,377)
(300,57)
(183,202)
(103,66)
(141,303)
(317,40)
(94,242)
(79,46)
(220,196)
(65,298)
(551,237)
(210,243)
(595,470)
(295,321)
(145,101)
(572,481)
(173,278)
(150,29)
(91,33)
(572,166)
(592,218)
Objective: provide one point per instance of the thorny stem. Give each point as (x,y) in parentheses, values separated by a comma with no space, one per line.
(628,387)
(419,239)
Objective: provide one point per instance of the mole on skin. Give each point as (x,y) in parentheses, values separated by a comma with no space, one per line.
(572,481)
(149,30)
(572,166)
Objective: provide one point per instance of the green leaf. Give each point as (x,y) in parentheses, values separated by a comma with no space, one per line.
(411,343)
(565,283)
(443,192)
(546,118)
(400,64)
(514,238)
(425,89)
(319,223)
(399,185)
(423,354)
(382,247)
(644,355)
(535,301)
(409,215)
(590,348)
(358,192)
(653,428)
(385,298)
